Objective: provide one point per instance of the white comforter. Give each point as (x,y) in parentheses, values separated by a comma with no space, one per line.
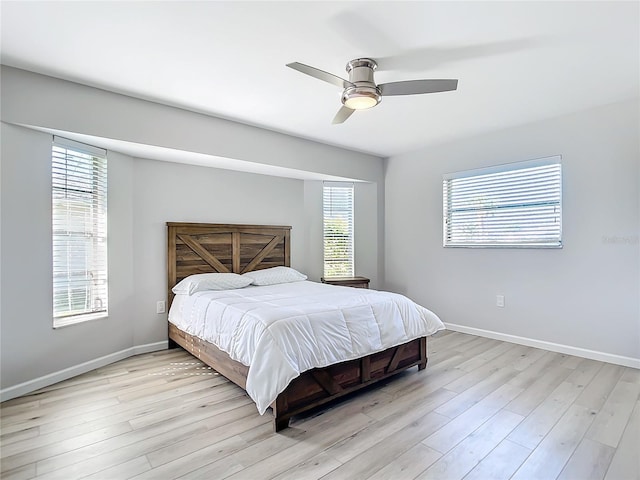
(280,331)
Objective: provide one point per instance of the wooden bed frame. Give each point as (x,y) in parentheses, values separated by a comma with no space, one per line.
(203,248)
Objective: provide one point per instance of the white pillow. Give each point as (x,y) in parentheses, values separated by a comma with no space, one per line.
(210,281)
(275,275)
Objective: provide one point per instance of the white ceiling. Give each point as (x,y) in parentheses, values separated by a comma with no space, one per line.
(516,62)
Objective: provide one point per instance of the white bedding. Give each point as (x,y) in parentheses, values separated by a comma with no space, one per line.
(280,331)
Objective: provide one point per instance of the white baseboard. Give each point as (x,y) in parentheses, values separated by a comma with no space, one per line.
(55,377)
(554,347)
(41,382)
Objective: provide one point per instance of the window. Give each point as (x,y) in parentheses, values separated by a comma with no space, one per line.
(338,229)
(514,205)
(79,221)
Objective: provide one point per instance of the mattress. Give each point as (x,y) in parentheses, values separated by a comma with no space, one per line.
(280,331)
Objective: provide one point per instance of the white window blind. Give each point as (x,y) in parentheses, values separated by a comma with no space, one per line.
(514,205)
(338,229)
(79,220)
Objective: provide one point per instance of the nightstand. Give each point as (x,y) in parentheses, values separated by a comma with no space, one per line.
(356,282)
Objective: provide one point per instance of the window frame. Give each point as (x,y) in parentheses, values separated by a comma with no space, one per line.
(79,192)
(349,271)
(500,173)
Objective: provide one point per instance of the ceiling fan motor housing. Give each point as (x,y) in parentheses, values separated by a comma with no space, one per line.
(365,93)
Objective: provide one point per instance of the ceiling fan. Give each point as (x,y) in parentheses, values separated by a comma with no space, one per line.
(361,92)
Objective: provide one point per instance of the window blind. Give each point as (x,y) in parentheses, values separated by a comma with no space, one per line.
(79,221)
(338,229)
(514,205)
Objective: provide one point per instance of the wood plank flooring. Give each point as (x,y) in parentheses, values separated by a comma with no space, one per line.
(483,409)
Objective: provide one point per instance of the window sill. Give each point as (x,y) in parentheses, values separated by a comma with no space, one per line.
(67,322)
(512,245)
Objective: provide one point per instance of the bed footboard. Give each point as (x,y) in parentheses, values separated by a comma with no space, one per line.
(322,385)
(314,387)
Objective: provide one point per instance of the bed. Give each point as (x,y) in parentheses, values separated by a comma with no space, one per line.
(196,248)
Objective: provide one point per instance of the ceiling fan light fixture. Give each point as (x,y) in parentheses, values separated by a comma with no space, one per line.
(360,102)
(360,98)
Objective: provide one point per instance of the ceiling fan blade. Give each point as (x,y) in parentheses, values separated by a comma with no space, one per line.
(369,35)
(430,57)
(342,115)
(320,74)
(358,29)
(413,87)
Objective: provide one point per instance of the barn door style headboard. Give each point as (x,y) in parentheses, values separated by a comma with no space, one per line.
(211,247)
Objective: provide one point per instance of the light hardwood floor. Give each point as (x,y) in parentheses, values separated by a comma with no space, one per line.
(483,409)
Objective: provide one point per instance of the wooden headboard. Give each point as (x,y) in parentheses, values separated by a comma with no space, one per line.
(213,247)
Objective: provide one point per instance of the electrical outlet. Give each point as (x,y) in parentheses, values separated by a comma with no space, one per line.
(499,300)
(161,306)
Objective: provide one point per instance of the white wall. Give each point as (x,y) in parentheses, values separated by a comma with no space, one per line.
(182,193)
(143,195)
(30,347)
(585,295)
